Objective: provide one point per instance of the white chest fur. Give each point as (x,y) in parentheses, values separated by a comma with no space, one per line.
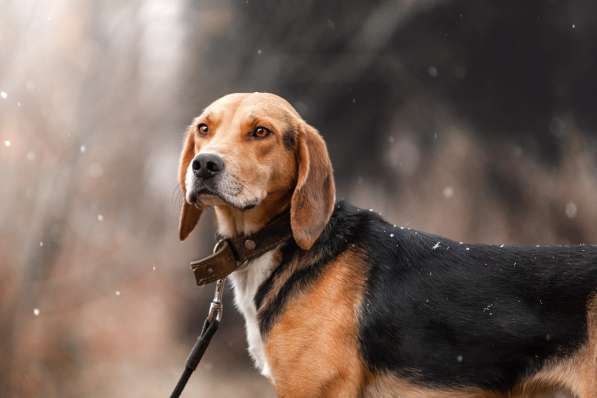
(246,282)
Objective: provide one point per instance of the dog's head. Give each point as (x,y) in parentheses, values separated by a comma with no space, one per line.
(244,151)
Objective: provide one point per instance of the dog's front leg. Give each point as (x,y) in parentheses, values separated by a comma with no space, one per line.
(335,388)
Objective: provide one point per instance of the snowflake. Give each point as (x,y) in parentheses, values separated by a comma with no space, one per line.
(571,210)
(448,192)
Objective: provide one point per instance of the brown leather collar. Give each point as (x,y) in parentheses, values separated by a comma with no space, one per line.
(230,254)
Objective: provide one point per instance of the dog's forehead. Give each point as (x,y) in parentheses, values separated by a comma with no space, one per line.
(251,105)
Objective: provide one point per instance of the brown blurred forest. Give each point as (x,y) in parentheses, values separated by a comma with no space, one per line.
(474,120)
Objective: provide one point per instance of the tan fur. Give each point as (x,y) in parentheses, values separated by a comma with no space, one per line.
(389,386)
(312,348)
(282,278)
(314,195)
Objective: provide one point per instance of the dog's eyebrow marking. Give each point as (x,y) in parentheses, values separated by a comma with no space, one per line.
(289,139)
(252,120)
(209,117)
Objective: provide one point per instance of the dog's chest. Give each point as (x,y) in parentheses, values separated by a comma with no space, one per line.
(246,282)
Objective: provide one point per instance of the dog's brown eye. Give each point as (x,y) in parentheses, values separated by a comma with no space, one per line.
(260,132)
(202,128)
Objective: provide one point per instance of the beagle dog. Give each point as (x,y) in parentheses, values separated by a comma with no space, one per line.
(353,306)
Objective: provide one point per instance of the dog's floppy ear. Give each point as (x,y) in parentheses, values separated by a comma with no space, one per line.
(189,214)
(313,199)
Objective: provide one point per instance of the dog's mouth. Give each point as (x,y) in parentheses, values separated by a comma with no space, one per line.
(206,196)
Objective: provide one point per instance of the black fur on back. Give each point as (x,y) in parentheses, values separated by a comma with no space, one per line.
(450,314)
(447,314)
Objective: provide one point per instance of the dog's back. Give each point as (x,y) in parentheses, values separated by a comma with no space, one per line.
(445,313)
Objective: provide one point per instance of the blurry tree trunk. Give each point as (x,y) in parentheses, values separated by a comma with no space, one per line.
(55,201)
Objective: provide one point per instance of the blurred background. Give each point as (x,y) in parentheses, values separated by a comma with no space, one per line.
(474,120)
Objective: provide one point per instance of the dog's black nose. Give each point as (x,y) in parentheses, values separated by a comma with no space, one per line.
(207,165)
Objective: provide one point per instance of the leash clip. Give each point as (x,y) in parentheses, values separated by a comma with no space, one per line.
(216,307)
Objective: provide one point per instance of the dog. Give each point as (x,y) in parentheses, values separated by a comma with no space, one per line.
(353,306)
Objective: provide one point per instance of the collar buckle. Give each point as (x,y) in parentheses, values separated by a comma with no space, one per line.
(230,254)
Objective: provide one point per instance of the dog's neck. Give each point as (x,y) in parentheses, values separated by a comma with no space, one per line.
(233,222)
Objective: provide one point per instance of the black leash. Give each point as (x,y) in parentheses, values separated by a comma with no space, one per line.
(210,326)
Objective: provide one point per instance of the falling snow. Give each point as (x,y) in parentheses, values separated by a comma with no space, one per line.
(100,217)
(3,94)
(436,246)
(83,148)
(502,245)
(36,311)
(7,143)
(571,210)
(30,155)
(459,358)
(117,292)
(41,243)
(448,192)
(468,249)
